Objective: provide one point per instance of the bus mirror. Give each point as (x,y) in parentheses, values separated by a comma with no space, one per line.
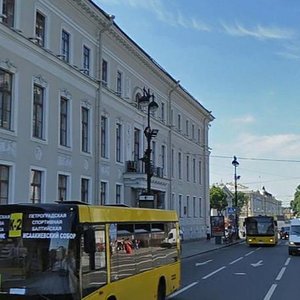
(89,241)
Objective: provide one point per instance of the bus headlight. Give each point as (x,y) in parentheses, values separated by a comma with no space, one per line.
(249,240)
(291,243)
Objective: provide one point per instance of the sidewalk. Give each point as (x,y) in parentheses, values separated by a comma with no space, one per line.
(195,247)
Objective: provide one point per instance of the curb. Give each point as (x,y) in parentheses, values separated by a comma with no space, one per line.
(213,249)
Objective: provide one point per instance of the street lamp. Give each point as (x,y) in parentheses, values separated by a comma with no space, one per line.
(235,163)
(149,134)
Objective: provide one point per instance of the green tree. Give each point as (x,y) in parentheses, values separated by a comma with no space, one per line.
(217,199)
(295,204)
(242,200)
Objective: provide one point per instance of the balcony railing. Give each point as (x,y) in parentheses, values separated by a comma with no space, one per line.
(133,166)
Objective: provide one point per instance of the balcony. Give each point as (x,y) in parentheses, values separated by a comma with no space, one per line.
(135,176)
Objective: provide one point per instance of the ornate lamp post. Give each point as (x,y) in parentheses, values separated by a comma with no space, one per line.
(235,163)
(149,134)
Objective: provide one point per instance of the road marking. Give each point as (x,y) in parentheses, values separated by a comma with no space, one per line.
(233,262)
(239,273)
(183,289)
(249,253)
(214,272)
(287,261)
(203,263)
(258,264)
(270,292)
(280,273)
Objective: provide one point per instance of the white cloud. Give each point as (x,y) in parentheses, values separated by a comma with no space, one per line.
(281,146)
(162,13)
(258,32)
(247,119)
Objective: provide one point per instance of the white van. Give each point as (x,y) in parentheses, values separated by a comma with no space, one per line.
(294,237)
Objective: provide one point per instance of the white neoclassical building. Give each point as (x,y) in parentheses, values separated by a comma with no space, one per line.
(71,126)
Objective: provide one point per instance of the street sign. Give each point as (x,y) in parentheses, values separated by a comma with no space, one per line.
(146,198)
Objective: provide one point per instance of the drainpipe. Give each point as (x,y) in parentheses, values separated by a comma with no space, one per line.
(206,173)
(170,140)
(98,108)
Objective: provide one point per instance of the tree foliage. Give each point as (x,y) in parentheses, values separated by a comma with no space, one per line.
(242,200)
(295,204)
(217,199)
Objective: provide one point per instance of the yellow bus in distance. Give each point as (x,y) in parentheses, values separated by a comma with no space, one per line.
(73,251)
(261,230)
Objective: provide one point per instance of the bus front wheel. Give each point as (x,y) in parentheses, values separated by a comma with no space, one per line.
(161,290)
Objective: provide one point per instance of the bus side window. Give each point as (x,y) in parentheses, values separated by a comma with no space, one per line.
(93,259)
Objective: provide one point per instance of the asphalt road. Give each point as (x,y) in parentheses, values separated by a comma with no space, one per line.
(241,272)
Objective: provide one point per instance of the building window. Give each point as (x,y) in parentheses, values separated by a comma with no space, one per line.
(137,136)
(200,172)
(163,112)
(5,99)
(194,207)
(172,204)
(4,184)
(187,128)
(104,137)
(103,193)
(118,193)
(85,190)
(194,170)
(200,207)
(64,127)
(119,83)
(118,142)
(179,166)
(187,168)
(40,28)
(188,208)
(199,135)
(65,46)
(8,10)
(179,122)
(180,205)
(36,186)
(172,162)
(86,60)
(163,159)
(38,112)
(84,129)
(153,153)
(62,187)
(104,72)
(193,131)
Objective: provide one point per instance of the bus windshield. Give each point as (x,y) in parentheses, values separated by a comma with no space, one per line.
(38,254)
(263,226)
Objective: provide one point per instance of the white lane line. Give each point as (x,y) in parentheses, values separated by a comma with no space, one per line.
(287,261)
(183,289)
(280,273)
(249,253)
(233,262)
(214,272)
(270,292)
(203,263)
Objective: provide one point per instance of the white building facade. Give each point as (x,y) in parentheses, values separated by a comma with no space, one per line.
(71,127)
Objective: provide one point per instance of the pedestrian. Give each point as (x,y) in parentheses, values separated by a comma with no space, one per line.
(207,233)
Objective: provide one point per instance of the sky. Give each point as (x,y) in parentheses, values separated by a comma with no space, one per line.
(241,60)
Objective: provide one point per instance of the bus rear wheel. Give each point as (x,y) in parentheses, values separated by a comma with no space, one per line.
(161,290)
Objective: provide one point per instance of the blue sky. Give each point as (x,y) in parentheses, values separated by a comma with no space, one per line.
(241,60)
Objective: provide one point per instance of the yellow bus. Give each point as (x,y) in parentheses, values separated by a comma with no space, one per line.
(261,230)
(69,250)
